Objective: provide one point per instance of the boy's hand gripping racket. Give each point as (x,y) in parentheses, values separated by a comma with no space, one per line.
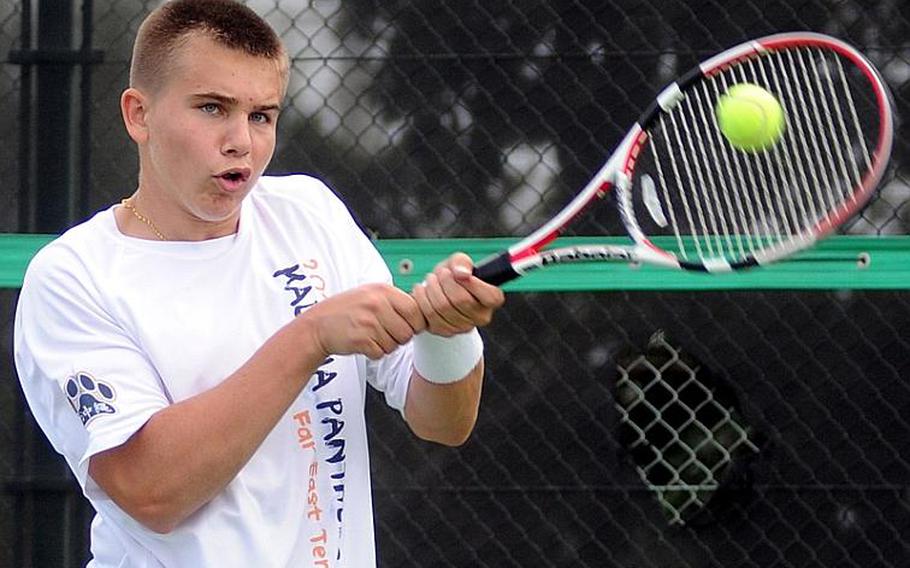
(718,208)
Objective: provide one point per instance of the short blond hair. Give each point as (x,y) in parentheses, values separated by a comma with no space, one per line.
(227,22)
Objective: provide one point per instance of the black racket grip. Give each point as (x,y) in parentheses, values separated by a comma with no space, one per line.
(496,270)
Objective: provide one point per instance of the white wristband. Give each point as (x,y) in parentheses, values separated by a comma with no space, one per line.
(446,359)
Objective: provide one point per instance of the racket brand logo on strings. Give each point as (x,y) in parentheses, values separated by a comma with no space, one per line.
(577,254)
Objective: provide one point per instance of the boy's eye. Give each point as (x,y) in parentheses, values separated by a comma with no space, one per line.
(210,108)
(260,117)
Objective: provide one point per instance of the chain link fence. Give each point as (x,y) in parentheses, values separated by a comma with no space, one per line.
(625,429)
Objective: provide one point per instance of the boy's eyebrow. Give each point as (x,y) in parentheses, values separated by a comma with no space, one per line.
(231,101)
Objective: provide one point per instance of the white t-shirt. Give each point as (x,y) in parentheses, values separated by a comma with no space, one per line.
(110,329)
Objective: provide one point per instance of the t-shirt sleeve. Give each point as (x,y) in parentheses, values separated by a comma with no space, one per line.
(87,382)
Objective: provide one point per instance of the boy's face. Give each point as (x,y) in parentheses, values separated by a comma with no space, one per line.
(209,134)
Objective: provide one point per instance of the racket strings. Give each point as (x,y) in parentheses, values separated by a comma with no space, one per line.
(783,201)
(719,192)
(786,170)
(719,202)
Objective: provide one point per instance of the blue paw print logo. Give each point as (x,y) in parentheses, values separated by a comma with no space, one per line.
(89,397)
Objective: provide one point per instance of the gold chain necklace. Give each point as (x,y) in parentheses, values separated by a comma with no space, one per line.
(126,203)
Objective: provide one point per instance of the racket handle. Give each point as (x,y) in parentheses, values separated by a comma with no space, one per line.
(496,270)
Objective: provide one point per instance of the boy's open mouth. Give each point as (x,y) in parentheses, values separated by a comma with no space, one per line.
(234,178)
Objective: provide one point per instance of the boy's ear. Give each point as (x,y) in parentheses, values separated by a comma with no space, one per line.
(134,108)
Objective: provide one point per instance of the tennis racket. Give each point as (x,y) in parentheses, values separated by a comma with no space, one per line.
(690,200)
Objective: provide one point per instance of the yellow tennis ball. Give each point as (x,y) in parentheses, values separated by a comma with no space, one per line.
(750,117)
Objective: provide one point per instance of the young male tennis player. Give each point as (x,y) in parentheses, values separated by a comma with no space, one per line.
(199,353)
